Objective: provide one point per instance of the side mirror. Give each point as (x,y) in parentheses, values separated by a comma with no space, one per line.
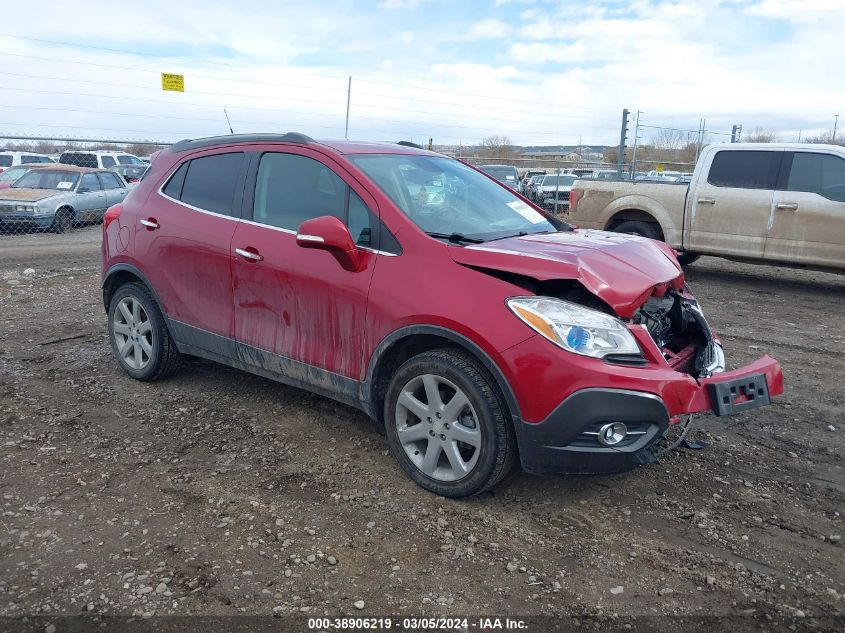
(328,233)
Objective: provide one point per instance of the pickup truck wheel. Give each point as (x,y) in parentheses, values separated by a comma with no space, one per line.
(447,424)
(633,227)
(686,259)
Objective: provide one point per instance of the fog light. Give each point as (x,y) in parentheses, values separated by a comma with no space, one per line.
(613,433)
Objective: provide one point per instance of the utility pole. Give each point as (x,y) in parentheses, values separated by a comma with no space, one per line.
(623,137)
(348,99)
(636,141)
(735,131)
(835,123)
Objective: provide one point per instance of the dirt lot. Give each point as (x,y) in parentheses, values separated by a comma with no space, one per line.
(218,493)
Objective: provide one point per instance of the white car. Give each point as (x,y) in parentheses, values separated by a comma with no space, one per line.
(553,191)
(99,159)
(13,159)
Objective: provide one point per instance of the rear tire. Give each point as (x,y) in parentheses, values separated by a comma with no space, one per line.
(634,227)
(63,221)
(687,258)
(139,337)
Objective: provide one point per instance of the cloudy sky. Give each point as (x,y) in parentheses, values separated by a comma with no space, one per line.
(538,71)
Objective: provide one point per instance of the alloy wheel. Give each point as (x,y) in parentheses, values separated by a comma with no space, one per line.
(133,333)
(438,427)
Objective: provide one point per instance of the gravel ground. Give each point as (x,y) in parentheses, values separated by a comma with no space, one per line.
(220,493)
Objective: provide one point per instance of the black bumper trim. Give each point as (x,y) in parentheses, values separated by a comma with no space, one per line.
(545,447)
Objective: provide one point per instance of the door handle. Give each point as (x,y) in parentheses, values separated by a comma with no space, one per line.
(790,206)
(706,201)
(250,255)
(151,224)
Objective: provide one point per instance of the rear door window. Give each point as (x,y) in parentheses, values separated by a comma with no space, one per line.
(823,174)
(745,169)
(108,161)
(109,181)
(5,161)
(209,183)
(90,182)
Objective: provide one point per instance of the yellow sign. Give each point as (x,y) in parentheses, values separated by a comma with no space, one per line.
(660,167)
(173,82)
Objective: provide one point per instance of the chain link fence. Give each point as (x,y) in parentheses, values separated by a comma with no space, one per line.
(53,196)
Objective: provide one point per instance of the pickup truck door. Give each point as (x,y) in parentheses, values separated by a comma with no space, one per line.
(729,207)
(809,210)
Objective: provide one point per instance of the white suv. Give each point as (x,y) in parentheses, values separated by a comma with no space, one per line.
(99,160)
(13,159)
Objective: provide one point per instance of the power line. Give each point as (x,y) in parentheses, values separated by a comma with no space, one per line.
(280,85)
(320,101)
(325,75)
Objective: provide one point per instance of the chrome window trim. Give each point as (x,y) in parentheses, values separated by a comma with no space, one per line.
(160,192)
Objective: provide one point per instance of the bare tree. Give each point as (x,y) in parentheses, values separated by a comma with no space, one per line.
(827,138)
(760,135)
(668,139)
(497,147)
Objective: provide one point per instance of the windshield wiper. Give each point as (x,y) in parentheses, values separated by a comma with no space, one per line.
(457,238)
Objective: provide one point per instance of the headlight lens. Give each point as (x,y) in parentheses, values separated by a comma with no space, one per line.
(25,208)
(575,328)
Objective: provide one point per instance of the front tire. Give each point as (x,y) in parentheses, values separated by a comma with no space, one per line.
(63,221)
(687,258)
(139,337)
(447,424)
(634,227)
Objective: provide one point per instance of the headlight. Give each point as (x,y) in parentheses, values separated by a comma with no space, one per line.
(25,208)
(575,328)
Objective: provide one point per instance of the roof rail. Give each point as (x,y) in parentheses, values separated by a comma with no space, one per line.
(409,144)
(230,139)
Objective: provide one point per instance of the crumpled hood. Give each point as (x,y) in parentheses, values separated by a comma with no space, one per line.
(620,269)
(28,195)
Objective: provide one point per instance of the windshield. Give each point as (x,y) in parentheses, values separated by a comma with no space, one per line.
(565,181)
(48,179)
(13,173)
(502,173)
(444,196)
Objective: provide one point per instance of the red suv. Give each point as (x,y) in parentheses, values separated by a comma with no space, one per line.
(476,328)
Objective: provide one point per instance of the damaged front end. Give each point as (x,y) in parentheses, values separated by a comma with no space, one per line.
(677,326)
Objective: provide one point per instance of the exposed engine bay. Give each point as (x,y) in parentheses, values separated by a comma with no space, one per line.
(679,330)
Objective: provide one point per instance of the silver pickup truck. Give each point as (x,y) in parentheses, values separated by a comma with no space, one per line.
(776,203)
(58,197)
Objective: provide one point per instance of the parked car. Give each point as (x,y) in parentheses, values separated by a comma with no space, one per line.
(531,189)
(9,158)
(775,203)
(98,159)
(552,192)
(506,174)
(59,197)
(11,174)
(130,173)
(477,330)
(523,183)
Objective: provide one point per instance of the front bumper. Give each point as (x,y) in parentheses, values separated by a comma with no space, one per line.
(25,221)
(564,438)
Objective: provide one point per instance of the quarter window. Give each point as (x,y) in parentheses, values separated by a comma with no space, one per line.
(209,182)
(108,161)
(823,174)
(745,169)
(173,188)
